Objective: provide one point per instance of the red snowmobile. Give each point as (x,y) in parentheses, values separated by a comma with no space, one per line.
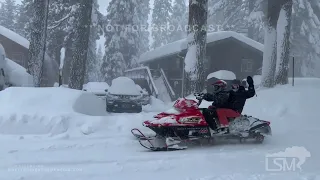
(187,123)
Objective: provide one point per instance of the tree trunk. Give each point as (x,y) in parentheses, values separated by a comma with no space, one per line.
(270,44)
(38,41)
(283,49)
(80,45)
(197,36)
(251,26)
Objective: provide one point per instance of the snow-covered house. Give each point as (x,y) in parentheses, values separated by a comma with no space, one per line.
(17,47)
(226,50)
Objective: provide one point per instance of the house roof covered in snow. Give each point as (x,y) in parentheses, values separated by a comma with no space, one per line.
(178,46)
(14,37)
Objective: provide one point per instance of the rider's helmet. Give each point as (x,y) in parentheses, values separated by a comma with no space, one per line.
(219,85)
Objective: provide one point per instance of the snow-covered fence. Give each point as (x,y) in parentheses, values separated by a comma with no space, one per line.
(143,73)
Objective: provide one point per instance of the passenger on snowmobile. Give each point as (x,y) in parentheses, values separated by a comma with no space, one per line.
(220,98)
(238,95)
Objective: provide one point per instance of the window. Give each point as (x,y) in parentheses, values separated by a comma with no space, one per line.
(246,65)
(178,63)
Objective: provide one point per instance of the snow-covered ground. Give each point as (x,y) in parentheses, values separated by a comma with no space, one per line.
(44,136)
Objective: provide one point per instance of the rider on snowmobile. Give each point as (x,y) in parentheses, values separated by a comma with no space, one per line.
(220,98)
(238,95)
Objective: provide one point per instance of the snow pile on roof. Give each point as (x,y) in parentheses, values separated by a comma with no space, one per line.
(17,74)
(180,45)
(123,86)
(14,37)
(96,87)
(222,74)
(52,111)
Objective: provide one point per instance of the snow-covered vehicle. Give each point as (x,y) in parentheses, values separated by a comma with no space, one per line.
(145,95)
(186,123)
(97,88)
(124,96)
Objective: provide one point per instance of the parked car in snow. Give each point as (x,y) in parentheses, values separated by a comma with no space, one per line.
(97,88)
(124,96)
(145,95)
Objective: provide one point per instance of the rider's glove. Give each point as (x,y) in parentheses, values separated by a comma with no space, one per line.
(250,81)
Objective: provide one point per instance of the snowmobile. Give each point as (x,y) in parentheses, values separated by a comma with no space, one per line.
(186,123)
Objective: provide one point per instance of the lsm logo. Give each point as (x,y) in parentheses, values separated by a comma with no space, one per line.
(289,160)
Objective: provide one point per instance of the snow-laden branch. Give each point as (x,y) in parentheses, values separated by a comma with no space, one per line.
(231,16)
(67,17)
(59,22)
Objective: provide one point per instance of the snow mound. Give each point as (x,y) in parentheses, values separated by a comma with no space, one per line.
(124,86)
(222,74)
(46,110)
(17,74)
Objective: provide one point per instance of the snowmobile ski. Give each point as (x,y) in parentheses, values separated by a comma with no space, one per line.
(149,142)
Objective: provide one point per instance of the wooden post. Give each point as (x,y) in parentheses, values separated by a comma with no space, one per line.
(293,71)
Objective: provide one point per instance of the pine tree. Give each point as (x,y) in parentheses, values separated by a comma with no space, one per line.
(270,44)
(98,65)
(160,20)
(38,40)
(179,20)
(81,43)
(230,15)
(8,14)
(25,13)
(92,61)
(197,43)
(57,23)
(142,12)
(62,30)
(121,48)
(306,38)
(283,43)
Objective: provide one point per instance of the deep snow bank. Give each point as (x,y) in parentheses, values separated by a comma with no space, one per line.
(287,106)
(46,110)
(49,101)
